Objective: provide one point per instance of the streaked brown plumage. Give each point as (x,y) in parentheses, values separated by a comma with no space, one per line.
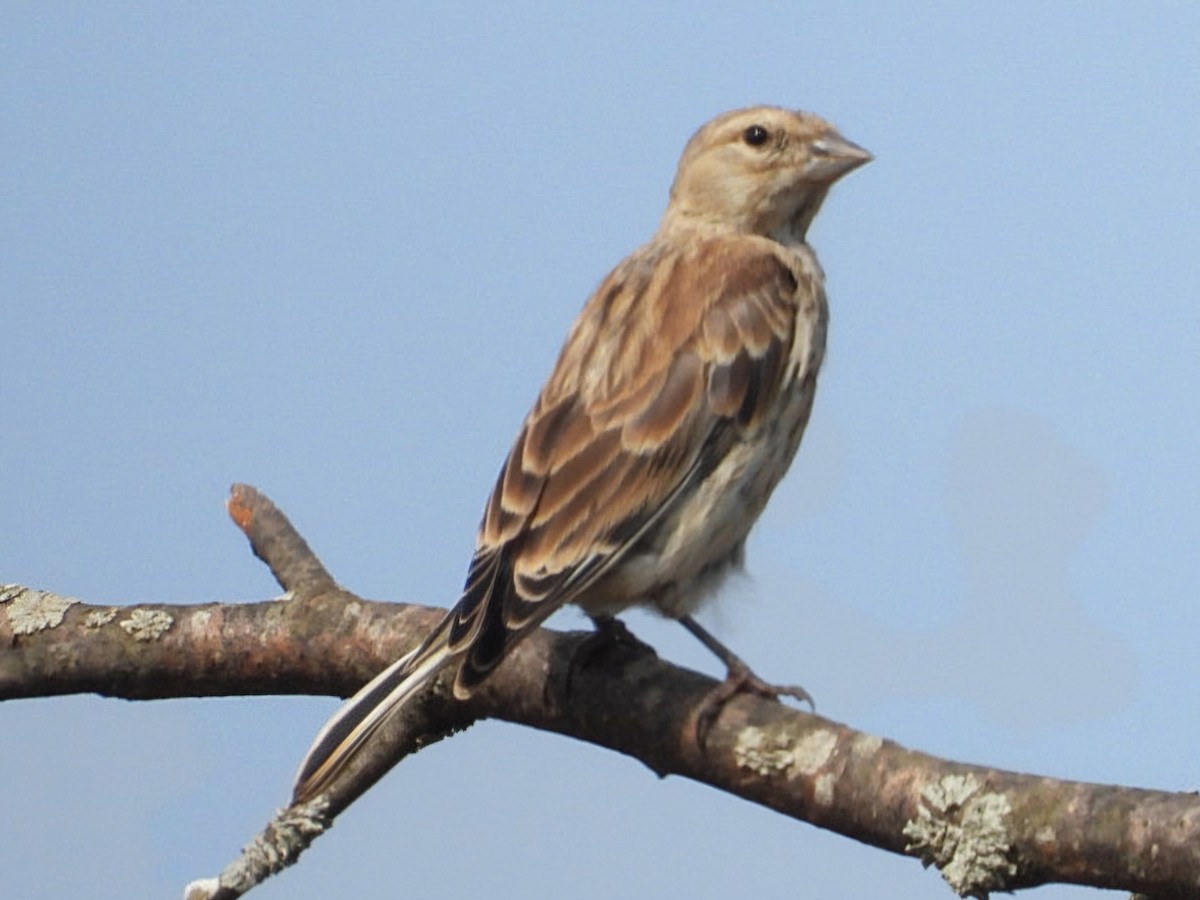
(674,409)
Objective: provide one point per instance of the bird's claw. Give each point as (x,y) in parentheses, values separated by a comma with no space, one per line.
(740,679)
(611,636)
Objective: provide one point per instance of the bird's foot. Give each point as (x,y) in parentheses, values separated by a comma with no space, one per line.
(611,636)
(740,679)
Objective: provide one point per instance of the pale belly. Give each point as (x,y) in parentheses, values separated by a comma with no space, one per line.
(683,557)
(681,562)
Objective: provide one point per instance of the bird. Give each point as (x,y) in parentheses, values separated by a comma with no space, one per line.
(674,409)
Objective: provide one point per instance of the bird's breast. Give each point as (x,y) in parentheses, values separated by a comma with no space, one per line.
(681,561)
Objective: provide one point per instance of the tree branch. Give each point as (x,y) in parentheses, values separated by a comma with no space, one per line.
(985,829)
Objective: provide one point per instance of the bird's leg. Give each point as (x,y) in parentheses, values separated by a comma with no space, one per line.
(610,629)
(739,678)
(611,634)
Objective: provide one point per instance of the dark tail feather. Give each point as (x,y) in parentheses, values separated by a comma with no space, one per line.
(362,715)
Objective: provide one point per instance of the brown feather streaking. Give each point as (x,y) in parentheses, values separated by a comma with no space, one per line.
(675,407)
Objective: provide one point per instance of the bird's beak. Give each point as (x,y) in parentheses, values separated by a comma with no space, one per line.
(834,156)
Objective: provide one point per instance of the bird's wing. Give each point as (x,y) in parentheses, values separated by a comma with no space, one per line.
(678,353)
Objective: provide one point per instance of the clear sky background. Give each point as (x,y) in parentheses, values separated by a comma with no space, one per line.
(333,251)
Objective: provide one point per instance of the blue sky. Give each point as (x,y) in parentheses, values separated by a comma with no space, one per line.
(332,251)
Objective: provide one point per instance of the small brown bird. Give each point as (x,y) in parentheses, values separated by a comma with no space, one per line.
(674,409)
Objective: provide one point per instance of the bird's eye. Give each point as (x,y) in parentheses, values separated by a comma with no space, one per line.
(755,135)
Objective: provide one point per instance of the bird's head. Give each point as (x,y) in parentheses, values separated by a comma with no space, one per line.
(760,170)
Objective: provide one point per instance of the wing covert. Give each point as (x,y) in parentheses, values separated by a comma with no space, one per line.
(662,361)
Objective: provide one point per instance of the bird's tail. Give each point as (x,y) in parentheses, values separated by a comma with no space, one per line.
(360,716)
